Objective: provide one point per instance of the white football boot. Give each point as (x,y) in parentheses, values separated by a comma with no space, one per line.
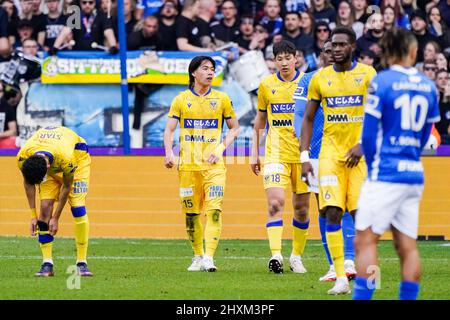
(330,276)
(276,263)
(296,264)
(350,270)
(208,264)
(196,263)
(340,287)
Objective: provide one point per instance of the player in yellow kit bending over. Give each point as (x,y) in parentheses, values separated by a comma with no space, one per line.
(200,112)
(56,159)
(276,107)
(341,89)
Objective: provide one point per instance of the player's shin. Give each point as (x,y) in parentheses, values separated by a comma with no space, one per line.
(335,243)
(81,232)
(348,231)
(323,235)
(300,236)
(275,233)
(45,242)
(194,229)
(213,230)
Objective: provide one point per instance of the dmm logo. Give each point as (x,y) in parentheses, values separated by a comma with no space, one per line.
(282,123)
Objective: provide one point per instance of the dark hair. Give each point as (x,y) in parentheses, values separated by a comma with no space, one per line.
(294,12)
(284,46)
(34,169)
(395,43)
(347,31)
(195,64)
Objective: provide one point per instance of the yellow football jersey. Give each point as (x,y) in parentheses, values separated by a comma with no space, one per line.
(59,145)
(275,96)
(343,95)
(201,120)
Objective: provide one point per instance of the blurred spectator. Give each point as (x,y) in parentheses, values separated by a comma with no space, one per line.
(272,20)
(346,18)
(13,19)
(129,7)
(367,57)
(5,48)
(409,6)
(206,12)
(293,32)
(167,25)
(147,38)
(441,62)
(30,47)
(435,24)
(95,27)
(227,29)
(419,28)
(321,34)
(249,38)
(66,5)
(296,6)
(24,31)
(302,65)
(37,20)
(271,66)
(444,8)
(442,78)
(54,23)
(369,41)
(307,23)
(429,69)
(322,10)
(145,8)
(401,19)
(188,38)
(360,7)
(431,50)
(389,18)
(8,123)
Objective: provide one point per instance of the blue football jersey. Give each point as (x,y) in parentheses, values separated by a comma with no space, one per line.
(301,94)
(405,102)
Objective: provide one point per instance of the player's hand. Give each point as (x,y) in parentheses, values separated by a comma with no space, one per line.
(213,159)
(255,163)
(353,156)
(169,161)
(53,226)
(307,169)
(33,226)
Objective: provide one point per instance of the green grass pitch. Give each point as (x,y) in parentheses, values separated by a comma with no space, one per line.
(156,269)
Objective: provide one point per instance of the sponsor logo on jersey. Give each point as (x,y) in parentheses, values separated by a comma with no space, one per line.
(198,138)
(80,187)
(410,166)
(186,192)
(215,191)
(298,91)
(273,168)
(344,101)
(282,107)
(281,123)
(52,135)
(330,180)
(343,118)
(201,123)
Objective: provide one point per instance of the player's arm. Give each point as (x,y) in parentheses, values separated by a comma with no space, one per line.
(258,129)
(372,117)
(300,97)
(233,126)
(62,37)
(171,125)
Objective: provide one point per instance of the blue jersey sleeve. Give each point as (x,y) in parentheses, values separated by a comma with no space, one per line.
(300,97)
(372,118)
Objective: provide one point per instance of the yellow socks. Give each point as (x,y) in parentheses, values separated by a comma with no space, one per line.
(212,231)
(300,236)
(82,237)
(275,234)
(194,229)
(335,242)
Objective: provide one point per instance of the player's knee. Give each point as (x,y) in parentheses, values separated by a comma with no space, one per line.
(46,209)
(214,215)
(275,206)
(333,214)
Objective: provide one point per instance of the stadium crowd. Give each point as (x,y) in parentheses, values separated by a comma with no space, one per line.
(36,27)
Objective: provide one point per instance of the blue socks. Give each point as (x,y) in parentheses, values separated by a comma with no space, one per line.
(323,230)
(363,289)
(348,230)
(409,290)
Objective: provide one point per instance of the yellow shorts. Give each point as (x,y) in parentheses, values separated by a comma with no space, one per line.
(279,175)
(202,190)
(51,186)
(339,185)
